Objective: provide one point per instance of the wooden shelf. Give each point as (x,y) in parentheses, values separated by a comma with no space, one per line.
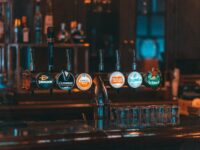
(57,45)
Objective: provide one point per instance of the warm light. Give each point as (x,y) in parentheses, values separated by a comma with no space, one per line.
(87,1)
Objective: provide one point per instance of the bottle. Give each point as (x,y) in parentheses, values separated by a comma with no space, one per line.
(38,23)
(25,30)
(2,17)
(48,20)
(63,35)
(17,31)
(78,34)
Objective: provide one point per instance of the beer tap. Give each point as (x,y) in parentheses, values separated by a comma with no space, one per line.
(101,61)
(46,80)
(65,79)
(134,78)
(101,100)
(117,79)
(153,78)
(84,81)
(27,76)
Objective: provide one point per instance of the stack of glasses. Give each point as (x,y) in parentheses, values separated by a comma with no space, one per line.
(145,116)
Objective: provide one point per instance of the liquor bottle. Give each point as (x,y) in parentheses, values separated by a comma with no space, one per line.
(45,80)
(78,34)
(2,17)
(63,35)
(17,31)
(38,23)
(48,19)
(25,30)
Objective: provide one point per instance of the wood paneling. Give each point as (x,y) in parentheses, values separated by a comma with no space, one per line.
(183,30)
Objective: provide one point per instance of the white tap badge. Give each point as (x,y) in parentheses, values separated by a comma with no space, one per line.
(84,81)
(135,79)
(65,80)
(117,79)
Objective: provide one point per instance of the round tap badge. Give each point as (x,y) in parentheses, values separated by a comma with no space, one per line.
(135,79)
(153,79)
(44,80)
(84,81)
(117,79)
(65,80)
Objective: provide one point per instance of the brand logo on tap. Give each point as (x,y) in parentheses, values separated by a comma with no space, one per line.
(135,79)
(117,79)
(84,81)
(44,80)
(153,79)
(65,80)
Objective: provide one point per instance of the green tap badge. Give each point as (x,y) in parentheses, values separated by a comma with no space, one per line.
(153,78)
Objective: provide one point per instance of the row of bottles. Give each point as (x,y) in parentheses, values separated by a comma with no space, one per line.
(22,31)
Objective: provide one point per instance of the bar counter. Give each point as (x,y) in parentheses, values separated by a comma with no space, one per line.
(89,135)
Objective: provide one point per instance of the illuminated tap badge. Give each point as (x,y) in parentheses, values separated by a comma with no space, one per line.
(117,79)
(84,81)
(153,79)
(65,80)
(44,81)
(135,79)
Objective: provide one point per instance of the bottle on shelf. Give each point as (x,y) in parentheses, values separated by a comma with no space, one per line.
(63,35)
(17,31)
(48,19)
(2,18)
(25,30)
(77,32)
(38,22)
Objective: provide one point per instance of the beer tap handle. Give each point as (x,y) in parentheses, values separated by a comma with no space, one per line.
(101,61)
(68,55)
(134,65)
(50,41)
(32,57)
(118,67)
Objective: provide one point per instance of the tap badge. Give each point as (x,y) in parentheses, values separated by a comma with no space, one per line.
(117,79)
(84,81)
(65,80)
(44,81)
(153,79)
(135,79)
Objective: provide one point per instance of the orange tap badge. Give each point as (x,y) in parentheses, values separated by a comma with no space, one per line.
(84,81)
(117,79)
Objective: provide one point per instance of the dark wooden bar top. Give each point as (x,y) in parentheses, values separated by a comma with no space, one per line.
(62,135)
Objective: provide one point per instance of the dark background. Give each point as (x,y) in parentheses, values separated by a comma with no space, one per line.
(182,29)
